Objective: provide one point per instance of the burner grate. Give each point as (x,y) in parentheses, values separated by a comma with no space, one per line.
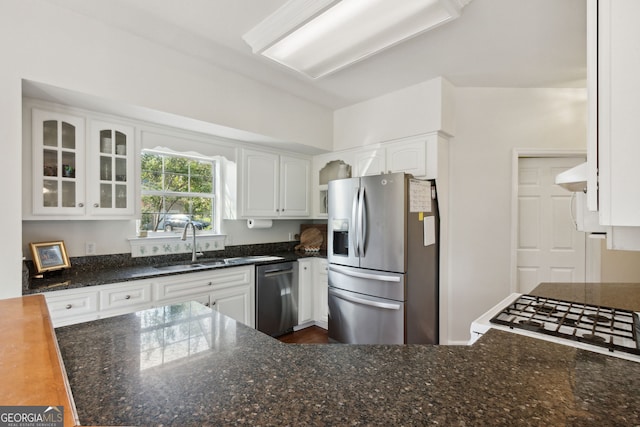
(611,328)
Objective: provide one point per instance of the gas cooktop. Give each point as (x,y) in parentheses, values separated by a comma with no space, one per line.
(604,327)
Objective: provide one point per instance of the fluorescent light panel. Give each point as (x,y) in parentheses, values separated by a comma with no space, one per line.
(349,31)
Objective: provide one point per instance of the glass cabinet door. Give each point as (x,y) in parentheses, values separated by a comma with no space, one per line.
(58,162)
(112,181)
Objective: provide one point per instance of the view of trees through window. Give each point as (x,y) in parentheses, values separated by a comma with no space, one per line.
(176,189)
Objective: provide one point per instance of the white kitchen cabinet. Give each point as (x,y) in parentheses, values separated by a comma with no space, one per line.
(235,302)
(305,291)
(370,161)
(408,156)
(321,288)
(81,168)
(125,297)
(231,291)
(111,178)
(618,101)
(415,155)
(58,163)
(71,306)
(295,184)
(613,99)
(274,186)
(313,288)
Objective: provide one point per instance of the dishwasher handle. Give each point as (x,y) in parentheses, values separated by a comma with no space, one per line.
(277,272)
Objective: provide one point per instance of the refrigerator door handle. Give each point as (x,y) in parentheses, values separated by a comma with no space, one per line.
(353,231)
(362,222)
(363,301)
(369,276)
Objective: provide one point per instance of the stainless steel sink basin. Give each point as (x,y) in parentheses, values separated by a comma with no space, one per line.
(249,259)
(187,267)
(180,267)
(217,262)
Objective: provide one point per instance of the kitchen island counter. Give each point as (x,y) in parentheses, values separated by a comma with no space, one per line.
(188,365)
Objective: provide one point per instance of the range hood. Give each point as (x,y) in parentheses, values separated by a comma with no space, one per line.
(574,179)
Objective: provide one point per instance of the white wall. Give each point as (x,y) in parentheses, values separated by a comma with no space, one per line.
(48,44)
(422,108)
(490,123)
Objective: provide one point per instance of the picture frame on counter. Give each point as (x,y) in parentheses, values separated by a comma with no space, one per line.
(49,256)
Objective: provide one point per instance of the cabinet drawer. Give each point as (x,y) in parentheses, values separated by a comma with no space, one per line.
(199,283)
(71,305)
(125,296)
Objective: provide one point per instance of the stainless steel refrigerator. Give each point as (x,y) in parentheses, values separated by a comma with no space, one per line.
(383,239)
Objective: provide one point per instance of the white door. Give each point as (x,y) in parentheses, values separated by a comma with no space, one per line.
(550,249)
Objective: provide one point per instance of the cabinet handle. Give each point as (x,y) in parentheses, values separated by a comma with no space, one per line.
(213,303)
(127,297)
(305,268)
(210,283)
(96,205)
(81,205)
(68,306)
(206,304)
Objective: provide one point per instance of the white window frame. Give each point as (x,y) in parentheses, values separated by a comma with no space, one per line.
(216,193)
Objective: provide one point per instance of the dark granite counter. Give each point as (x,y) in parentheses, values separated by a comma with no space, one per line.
(618,295)
(120,269)
(186,365)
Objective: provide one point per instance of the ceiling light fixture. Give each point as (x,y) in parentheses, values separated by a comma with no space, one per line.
(319,37)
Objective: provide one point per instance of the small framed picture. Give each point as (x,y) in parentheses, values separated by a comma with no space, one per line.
(49,256)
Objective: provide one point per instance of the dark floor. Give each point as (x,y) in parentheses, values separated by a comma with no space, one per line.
(310,335)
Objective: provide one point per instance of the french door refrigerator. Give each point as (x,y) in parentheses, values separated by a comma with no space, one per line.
(383,236)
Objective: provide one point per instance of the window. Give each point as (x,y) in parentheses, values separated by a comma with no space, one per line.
(177,188)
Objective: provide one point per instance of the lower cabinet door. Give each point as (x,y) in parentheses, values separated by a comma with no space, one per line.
(305,291)
(72,307)
(125,298)
(235,302)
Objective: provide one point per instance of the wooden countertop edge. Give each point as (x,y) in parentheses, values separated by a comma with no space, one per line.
(30,359)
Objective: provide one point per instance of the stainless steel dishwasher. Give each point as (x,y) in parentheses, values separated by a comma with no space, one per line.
(277,298)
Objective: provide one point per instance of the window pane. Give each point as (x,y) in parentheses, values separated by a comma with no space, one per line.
(151,172)
(201,178)
(176,182)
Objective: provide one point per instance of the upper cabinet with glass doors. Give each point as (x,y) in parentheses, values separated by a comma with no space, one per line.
(58,163)
(80,174)
(111,176)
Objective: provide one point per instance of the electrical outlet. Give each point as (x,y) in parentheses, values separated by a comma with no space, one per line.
(90,248)
(290,236)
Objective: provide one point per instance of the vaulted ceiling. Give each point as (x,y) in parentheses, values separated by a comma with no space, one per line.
(495,43)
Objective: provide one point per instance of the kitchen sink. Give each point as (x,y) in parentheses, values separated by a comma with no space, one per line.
(180,267)
(217,262)
(187,267)
(250,259)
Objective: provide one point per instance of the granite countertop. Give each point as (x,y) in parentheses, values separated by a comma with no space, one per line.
(117,273)
(187,365)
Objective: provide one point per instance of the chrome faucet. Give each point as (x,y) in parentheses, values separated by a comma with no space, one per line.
(194,254)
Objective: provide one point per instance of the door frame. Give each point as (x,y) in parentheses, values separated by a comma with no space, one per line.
(592,246)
